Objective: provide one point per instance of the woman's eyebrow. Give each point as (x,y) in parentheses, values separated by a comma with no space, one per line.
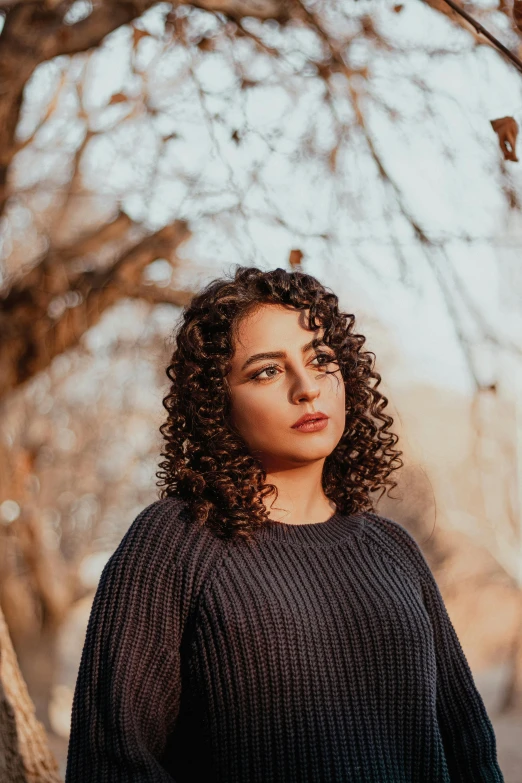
(281,354)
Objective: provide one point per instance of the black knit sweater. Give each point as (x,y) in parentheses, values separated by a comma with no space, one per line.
(317,652)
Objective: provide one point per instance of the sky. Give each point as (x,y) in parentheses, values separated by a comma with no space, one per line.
(251,201)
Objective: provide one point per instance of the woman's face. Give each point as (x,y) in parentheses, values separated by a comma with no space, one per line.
(270,393)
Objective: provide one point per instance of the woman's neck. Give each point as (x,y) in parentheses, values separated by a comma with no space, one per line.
(301,498)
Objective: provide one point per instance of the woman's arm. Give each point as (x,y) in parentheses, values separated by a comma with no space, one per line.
(128,688)
(466,730)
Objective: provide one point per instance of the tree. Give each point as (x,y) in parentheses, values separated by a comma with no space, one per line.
(24,754)
(43,299)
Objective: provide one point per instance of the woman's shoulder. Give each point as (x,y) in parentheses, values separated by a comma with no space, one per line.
(162,535)
(149,588)
(165,517)
(395,540)
(169,511)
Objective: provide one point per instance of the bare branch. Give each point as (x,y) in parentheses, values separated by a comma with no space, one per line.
(96,240)
(51,309)
(482,30)
(156,295)
(238,9)
(89,32)
(86,244)
(33,33)
(33,758)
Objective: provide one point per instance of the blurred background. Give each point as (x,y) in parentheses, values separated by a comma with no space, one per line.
(146,148)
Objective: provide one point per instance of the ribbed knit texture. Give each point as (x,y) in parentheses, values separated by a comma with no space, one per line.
(317,652)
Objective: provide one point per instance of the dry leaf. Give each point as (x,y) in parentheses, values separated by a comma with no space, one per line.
(171,136)
(295,258)
(118,97)
(506,129)
(324,70)
(137,35)
(206,44)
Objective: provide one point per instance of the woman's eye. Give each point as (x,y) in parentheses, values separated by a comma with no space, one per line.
(327,357)
(265,369)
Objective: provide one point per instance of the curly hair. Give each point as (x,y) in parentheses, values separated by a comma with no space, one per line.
(207,463)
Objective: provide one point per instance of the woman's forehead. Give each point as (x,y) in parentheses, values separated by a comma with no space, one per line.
(273,326)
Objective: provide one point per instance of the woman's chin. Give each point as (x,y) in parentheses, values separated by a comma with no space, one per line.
(303,454)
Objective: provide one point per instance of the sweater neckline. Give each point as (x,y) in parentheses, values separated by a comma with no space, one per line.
(337,527)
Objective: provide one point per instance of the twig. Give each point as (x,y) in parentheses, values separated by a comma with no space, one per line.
(480,29)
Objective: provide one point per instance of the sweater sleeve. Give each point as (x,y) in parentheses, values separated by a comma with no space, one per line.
(466,730)
(467,733)
(128,686)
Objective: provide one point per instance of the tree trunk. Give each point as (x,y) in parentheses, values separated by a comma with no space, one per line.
(25,756)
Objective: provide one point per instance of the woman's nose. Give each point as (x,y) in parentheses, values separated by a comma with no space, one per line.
(305,389)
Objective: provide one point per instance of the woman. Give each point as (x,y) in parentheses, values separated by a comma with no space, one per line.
(260,622)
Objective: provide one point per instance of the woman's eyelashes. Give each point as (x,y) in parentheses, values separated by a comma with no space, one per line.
(329,359)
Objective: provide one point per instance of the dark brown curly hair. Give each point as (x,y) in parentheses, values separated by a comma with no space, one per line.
(207,463)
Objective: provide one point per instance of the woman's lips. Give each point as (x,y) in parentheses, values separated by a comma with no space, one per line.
(313,425)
